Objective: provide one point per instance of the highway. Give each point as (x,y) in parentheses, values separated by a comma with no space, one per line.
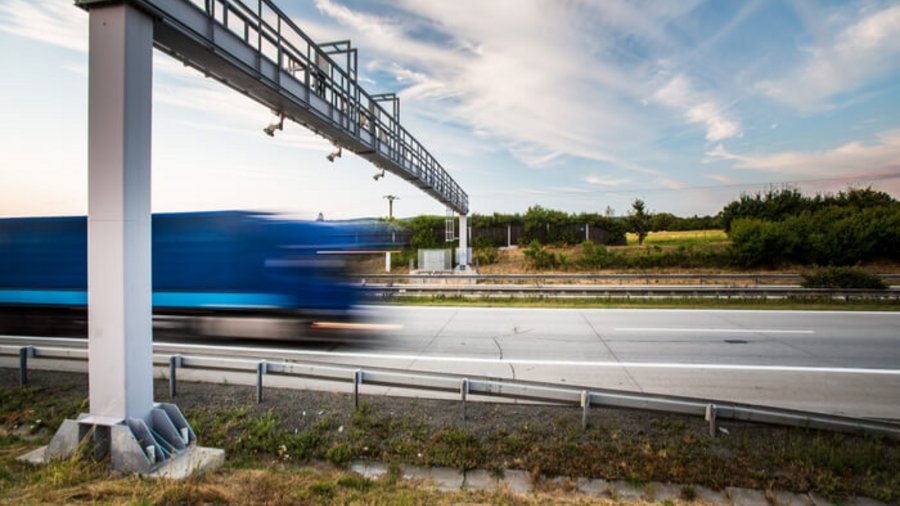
(845,363)
(836,362)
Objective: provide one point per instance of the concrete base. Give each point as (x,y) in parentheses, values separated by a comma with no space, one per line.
(162,446)
(197,460)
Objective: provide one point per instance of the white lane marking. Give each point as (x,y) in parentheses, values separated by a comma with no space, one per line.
(732,331)
(630,310)
(284,354)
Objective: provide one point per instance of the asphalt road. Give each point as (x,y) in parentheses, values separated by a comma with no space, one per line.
(835,362)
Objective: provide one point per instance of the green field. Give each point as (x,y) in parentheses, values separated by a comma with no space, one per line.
(686,238)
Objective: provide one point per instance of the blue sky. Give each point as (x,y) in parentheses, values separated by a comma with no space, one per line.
(572,104)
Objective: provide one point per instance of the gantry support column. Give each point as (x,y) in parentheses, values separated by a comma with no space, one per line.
(463,253)
(119,283)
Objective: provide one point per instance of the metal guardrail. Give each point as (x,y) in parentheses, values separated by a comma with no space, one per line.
(383,290)
(466,386)
(602,277)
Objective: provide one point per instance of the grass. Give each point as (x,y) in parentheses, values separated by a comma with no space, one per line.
(686,238)
(272,459)
(793,304)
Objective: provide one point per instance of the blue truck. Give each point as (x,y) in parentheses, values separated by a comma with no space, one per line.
(208,268)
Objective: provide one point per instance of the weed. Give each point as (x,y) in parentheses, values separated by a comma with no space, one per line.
(455,448)
(649,492)
(322,489)
(355,482)
(340,454)
(304,445)
(687,492)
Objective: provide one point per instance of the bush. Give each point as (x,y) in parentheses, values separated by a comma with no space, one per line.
(484,251)
(539,257)
(834,235)
(842,277)
(594,256)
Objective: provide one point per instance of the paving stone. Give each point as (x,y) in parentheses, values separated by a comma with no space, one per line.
(446,478)
(664,491)
(709,495)
(627,492)
(746,497)
(594,488)
(516,481)
(370,470)
(818,500)
(480,479)
(864,501)
(415,473)
(558,483)
(784,498)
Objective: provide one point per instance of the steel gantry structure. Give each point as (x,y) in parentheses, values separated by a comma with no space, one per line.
(254,48)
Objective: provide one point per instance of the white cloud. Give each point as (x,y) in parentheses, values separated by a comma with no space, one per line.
(721,178)
(51,21)
(540,96)
(859,54)
(851,160)
(606,180)
(678,93)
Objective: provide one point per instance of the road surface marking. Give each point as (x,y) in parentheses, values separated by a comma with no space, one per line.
(288,354)
(733,331)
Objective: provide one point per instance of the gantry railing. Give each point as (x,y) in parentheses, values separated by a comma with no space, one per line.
(254,48)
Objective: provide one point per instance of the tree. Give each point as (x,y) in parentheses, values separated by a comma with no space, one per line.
(639,220)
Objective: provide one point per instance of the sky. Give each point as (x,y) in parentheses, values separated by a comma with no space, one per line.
(579,105)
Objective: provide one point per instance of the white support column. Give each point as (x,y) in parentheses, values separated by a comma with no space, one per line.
(387,261)
(462,256)
(119,282)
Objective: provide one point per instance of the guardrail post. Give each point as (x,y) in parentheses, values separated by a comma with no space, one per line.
(260,371)
(174,364)
(711,411)
(357,379)
(585,407)
(24,353)
(463,395)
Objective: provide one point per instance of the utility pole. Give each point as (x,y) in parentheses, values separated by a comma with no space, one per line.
(391,199)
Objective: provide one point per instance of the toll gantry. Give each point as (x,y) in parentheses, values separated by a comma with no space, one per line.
(256,49)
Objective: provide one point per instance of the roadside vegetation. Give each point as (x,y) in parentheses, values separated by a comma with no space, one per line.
(775,230)
(787,304)
(277,452)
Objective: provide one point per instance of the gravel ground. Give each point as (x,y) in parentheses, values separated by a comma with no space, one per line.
(303,409)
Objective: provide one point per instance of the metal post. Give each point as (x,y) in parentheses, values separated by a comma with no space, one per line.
(585,406)
(711,411)
(174,364)
(464,395)
(357,379)
(387,261)
(463,255)
(119,290)
(509,236)
(587,231)
(260,372)
(24,353)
